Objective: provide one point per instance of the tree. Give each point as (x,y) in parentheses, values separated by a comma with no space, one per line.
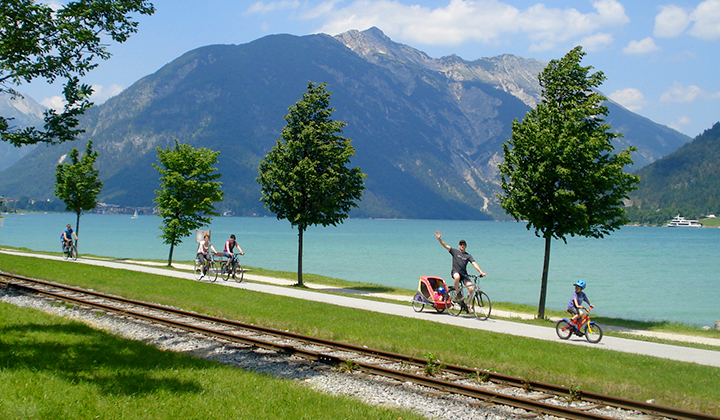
(188,191)
(37,42)
(305,178)
(560,173)
(77,182)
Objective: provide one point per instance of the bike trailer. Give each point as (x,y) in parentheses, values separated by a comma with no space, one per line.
(428,292)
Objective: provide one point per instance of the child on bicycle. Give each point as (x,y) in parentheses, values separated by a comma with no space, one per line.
(578,297)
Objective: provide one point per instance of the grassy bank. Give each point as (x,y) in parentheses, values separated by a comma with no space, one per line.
(54,368)
(638,377)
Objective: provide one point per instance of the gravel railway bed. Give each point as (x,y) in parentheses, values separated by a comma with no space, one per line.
(269,352)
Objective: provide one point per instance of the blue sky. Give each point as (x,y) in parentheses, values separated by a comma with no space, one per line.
(661,59)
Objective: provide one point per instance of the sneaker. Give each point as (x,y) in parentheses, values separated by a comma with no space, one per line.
(463,306)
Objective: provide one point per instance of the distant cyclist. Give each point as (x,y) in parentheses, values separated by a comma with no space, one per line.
(230,246)
(67,236)
(460,260)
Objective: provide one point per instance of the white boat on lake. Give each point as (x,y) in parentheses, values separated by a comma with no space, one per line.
(679,221)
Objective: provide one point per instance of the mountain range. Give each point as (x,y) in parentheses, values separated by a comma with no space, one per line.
(25,112)
(686,181)
(428,132)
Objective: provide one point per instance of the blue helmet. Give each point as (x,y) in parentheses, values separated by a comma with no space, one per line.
(580,283)
(441,290)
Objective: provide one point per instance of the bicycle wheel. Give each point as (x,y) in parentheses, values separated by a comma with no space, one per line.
(455,308)
(237,272)
(73,253)
(481,306)
(417,304)
(224,271)
(212,271)
(66,252)
(197,270)
(563,329)
(593,332)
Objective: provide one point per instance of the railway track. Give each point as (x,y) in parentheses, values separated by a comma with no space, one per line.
(484,387)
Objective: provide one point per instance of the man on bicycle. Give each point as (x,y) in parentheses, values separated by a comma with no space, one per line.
(460,260)
(230,245)
(67,236)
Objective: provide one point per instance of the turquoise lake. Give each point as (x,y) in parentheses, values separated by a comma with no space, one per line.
(647,273)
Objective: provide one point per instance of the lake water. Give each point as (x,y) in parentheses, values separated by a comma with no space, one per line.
(648,273)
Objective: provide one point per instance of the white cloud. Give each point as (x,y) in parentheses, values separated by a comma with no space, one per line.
(671,22)
(641,47)
(596,42)
(102,94)
(684,94)
(53,102)
(703,21)
(263,7)
(630,98)
(707,20)
(486,21)
(680,123)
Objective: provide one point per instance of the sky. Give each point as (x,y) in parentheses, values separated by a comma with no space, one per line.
(661,58)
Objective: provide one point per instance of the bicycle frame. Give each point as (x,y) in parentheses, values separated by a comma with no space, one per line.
(476,302)
(585,327)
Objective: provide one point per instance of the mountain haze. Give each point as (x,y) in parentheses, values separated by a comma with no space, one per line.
(428,132)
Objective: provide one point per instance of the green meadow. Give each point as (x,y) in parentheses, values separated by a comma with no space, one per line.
(49,368)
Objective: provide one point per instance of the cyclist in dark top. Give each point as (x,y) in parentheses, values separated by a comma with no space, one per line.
(460,260)
(67,236)
(230,246)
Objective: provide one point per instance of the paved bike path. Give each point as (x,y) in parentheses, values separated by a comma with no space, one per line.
(680,353)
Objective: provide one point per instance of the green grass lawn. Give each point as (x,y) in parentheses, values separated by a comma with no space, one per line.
(53,368)
(714,223)
(668,382)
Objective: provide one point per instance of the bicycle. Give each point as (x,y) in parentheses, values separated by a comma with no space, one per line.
(231,268)
(590,329)
(70,251)
(209,270)
(477,302)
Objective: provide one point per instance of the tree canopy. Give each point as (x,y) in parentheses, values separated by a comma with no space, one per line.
(189,189)
(560,173)
(305,178)
(37,42)
(77,182)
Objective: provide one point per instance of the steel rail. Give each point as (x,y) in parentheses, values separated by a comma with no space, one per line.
(440,384)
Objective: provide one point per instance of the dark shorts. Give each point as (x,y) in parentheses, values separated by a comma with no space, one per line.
(464,278)
(573,311)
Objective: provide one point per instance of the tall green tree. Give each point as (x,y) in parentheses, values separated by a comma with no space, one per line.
(560,173)
(77,182)
(189,189)
(37,42)
(305,178)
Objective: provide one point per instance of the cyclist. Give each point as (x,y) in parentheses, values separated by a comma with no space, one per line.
(203,252)
(66,237)
(460,260)
(578,297)
(230,245)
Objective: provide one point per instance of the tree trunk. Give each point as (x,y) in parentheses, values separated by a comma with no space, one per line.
(300,254)
(543,283)
(77,227)
(170,255)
